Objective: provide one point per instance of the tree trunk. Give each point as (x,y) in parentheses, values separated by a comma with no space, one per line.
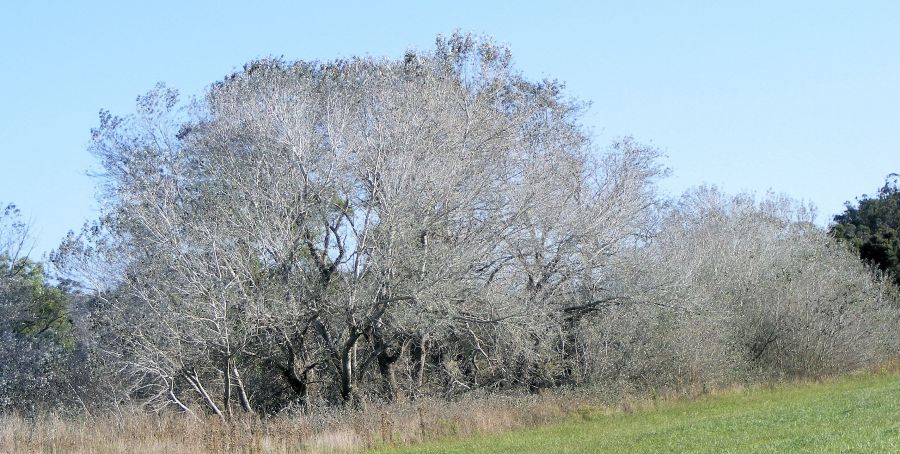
(387,352)
(346,365)
(418,352)
(226,397)
(346,374)
(298,383)
(242,391)
(388,378)
(194,379)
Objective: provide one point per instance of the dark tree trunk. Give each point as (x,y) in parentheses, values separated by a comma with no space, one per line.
(388,379)
(298,383)
(418,351)
(346,374)
(347,365)
(388,351)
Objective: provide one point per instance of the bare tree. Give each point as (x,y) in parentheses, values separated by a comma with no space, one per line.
(330,222)
(323,233)
(736,289)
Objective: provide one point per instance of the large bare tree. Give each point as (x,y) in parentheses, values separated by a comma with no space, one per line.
(315,226)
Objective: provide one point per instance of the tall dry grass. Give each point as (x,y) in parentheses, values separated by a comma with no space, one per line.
(332,431)
(397,424)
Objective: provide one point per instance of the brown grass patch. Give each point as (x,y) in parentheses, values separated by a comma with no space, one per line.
(370,427)
(398,424)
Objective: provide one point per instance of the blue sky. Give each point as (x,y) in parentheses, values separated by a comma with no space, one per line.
(801,97)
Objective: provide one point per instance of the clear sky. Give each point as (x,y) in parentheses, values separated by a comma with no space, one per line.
(801,97)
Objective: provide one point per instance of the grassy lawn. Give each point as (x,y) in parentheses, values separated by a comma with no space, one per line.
(855,414)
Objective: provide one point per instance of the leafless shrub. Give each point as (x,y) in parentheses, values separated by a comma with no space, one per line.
(739,290)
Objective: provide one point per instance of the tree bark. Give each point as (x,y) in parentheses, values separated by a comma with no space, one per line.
(419,351)
(194,380)
(297,382)
(346,374)
(226,398)
(386,356)
(242,391)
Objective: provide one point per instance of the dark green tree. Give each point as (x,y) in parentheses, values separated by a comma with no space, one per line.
(31,305)
(872,227)
(39,364)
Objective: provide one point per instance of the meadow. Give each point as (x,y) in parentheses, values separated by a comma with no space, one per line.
(851,414)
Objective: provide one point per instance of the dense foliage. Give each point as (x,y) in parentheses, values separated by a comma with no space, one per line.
(39,358)
(872,228)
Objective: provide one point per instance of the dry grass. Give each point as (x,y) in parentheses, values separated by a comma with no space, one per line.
(394,425)
(374,426)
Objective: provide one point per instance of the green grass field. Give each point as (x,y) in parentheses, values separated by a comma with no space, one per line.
(854,414)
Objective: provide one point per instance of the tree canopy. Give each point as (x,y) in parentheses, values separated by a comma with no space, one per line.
(36,329)
(872,227)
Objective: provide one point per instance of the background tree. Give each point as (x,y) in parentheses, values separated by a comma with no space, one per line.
(38,356)
(872,227)
(739,289)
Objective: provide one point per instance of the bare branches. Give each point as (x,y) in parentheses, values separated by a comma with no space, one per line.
(308,221)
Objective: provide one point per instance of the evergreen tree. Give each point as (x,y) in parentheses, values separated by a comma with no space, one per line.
(872,227)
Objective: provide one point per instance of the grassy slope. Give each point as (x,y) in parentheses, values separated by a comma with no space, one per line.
(857,414)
